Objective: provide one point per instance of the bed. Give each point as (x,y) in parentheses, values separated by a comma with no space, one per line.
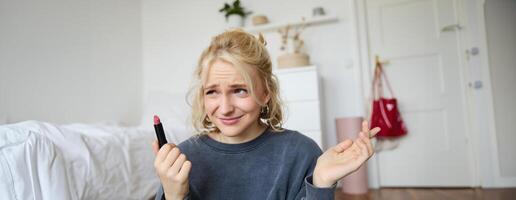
(41,160)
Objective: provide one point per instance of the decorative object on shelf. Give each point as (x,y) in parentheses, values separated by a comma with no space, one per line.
(289,60)
(318,11)
(292,45)
(234,14)
(260,20)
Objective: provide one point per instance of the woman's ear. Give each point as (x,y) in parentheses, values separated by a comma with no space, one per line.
(267,98)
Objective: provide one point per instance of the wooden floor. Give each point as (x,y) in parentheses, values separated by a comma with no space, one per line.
(431,194)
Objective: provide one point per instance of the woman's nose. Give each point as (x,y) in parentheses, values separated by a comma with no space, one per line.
(226,106)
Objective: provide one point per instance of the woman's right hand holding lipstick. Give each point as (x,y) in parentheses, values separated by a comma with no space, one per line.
(172,168)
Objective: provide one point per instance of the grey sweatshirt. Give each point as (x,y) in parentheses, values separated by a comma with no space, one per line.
(272,166)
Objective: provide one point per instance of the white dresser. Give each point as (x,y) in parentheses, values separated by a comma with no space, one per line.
(299,89)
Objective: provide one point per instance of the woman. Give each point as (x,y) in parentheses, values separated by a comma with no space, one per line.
(242,152)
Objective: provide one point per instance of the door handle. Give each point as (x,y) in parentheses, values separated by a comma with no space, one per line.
(475,85)
(451,27)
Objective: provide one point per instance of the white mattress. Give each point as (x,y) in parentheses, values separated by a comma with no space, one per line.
(43,161)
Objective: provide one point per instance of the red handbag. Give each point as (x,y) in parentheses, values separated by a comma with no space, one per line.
(384,113)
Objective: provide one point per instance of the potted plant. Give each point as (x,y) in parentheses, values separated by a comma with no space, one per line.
(234,14)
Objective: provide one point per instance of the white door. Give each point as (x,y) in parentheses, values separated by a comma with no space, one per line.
(420,41)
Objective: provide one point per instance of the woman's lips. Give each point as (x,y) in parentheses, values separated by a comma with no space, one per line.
(230,121)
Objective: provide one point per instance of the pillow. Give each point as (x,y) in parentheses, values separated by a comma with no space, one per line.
(174,112)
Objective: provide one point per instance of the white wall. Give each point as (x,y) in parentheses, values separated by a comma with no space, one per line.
(175,32)
(501,41)
(70,61)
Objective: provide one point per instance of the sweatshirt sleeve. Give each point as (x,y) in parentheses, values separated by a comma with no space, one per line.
(313,192)
(309,191)
(160,195)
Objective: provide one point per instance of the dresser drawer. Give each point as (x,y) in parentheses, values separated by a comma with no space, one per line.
(303,115)
(298,85)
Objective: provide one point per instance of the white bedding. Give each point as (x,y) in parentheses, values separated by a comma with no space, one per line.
(79,161)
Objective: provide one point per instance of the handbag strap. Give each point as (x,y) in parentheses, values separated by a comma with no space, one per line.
(379,76)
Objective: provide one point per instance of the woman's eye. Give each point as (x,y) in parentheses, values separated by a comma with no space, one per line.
(241,91)
(210,92)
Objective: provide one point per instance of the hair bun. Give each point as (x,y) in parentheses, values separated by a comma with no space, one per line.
(261,39)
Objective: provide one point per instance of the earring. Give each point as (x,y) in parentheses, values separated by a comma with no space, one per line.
(207,119)
(264,112)
(208,125)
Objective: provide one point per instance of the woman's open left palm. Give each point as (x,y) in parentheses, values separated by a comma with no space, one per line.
(344,158)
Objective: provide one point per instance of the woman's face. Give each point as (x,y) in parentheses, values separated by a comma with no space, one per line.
(227,101)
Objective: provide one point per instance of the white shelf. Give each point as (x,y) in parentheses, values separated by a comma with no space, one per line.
(276,26)
(294,69)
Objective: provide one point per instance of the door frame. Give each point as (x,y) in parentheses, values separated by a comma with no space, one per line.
(484,159)
(489,162)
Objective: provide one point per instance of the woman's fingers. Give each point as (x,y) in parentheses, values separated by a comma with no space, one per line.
(362,147)
(371,133)
(155,147)
(343,146)
(374,131)
(177,164)
(180,169)
(365,126)
(170,162)
(172,157)
(368,143)
(162,153)
(185,170)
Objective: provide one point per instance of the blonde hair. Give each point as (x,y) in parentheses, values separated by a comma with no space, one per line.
(245,52)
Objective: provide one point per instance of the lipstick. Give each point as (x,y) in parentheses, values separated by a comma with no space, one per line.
(160,133)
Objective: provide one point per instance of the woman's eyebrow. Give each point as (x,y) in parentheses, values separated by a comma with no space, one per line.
(211,86)
(238,85)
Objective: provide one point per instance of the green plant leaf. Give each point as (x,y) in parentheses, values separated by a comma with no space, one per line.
(236,4)
(235,9)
